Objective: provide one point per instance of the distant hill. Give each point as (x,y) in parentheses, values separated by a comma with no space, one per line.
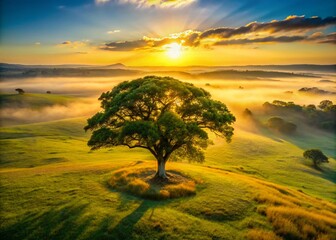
(116,66)
(248,75)
(315,90)
(294,67)
(64,72)
(34,101)
(287,68)
(119,69)
(21,66)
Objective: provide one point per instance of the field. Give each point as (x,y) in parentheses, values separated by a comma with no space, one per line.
(259,186)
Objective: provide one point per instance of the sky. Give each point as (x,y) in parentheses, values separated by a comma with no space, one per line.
(168,32)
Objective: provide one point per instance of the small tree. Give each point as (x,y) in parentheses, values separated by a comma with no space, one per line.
(325,104)
(275,122)
(163,115)
(20,91)
(288,128)
(316,156)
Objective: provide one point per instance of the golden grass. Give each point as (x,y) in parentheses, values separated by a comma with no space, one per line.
(298,223)
(293,214)
(138,181)
(258,234)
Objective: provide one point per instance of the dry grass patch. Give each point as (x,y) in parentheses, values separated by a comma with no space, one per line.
(258,234)
(294,215)
(298,223)
(139,181)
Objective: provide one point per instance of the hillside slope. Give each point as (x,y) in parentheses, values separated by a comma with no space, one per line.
(255,187)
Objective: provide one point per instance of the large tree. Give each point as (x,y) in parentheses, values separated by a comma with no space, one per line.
(161,114)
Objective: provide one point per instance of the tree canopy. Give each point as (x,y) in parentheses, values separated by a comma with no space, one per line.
(322,116)
(20,91)
(316,156)
(166,116)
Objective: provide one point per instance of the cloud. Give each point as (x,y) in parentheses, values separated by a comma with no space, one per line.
(101,1)
(317,38)
(282,39)
(186,38)
(50,113)
(158,3)
(291,23)
(73,44)
(125,46)
(296,29)
(37,43)
(321,38)
(113,31)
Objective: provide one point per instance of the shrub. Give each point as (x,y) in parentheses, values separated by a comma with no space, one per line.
(20,91)
(288,128)
(281,125)
(275,122)
(247,113)
(181,190)
(140,182)
(138,187)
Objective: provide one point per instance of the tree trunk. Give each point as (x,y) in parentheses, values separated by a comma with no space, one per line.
(161,172)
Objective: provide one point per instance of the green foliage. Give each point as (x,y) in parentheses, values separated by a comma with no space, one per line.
(323,116)
(316,156)
(160,114)
(288,127)
(247,113)
(325,104)
(281,125)
(275,122)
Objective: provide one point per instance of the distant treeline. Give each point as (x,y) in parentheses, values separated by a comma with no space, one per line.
(322,116)
(64,72)
(11,72)
(248,74)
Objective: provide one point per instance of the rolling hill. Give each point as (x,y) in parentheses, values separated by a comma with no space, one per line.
(257,187)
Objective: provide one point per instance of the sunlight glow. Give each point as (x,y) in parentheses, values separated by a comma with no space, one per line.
(174,50)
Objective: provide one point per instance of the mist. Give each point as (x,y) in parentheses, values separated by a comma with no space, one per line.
(236,94)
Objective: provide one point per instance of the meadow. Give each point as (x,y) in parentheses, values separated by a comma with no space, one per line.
(259,186)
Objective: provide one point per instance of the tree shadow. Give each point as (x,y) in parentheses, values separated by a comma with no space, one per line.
(126,226)
(56,223)
(322,171)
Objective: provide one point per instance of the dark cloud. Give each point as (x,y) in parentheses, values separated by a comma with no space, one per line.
(291,23)
(228,36)
(125,46)
(187,38)
(330,38)
(282,39)
(318,38)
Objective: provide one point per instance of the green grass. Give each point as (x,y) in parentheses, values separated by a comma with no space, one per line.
(54,187)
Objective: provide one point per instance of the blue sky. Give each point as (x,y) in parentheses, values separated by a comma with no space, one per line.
(50,22)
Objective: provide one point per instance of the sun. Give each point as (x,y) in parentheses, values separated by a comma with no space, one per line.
(174,50)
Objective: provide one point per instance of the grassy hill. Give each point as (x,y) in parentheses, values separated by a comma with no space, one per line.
(257,187)
(33,100)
